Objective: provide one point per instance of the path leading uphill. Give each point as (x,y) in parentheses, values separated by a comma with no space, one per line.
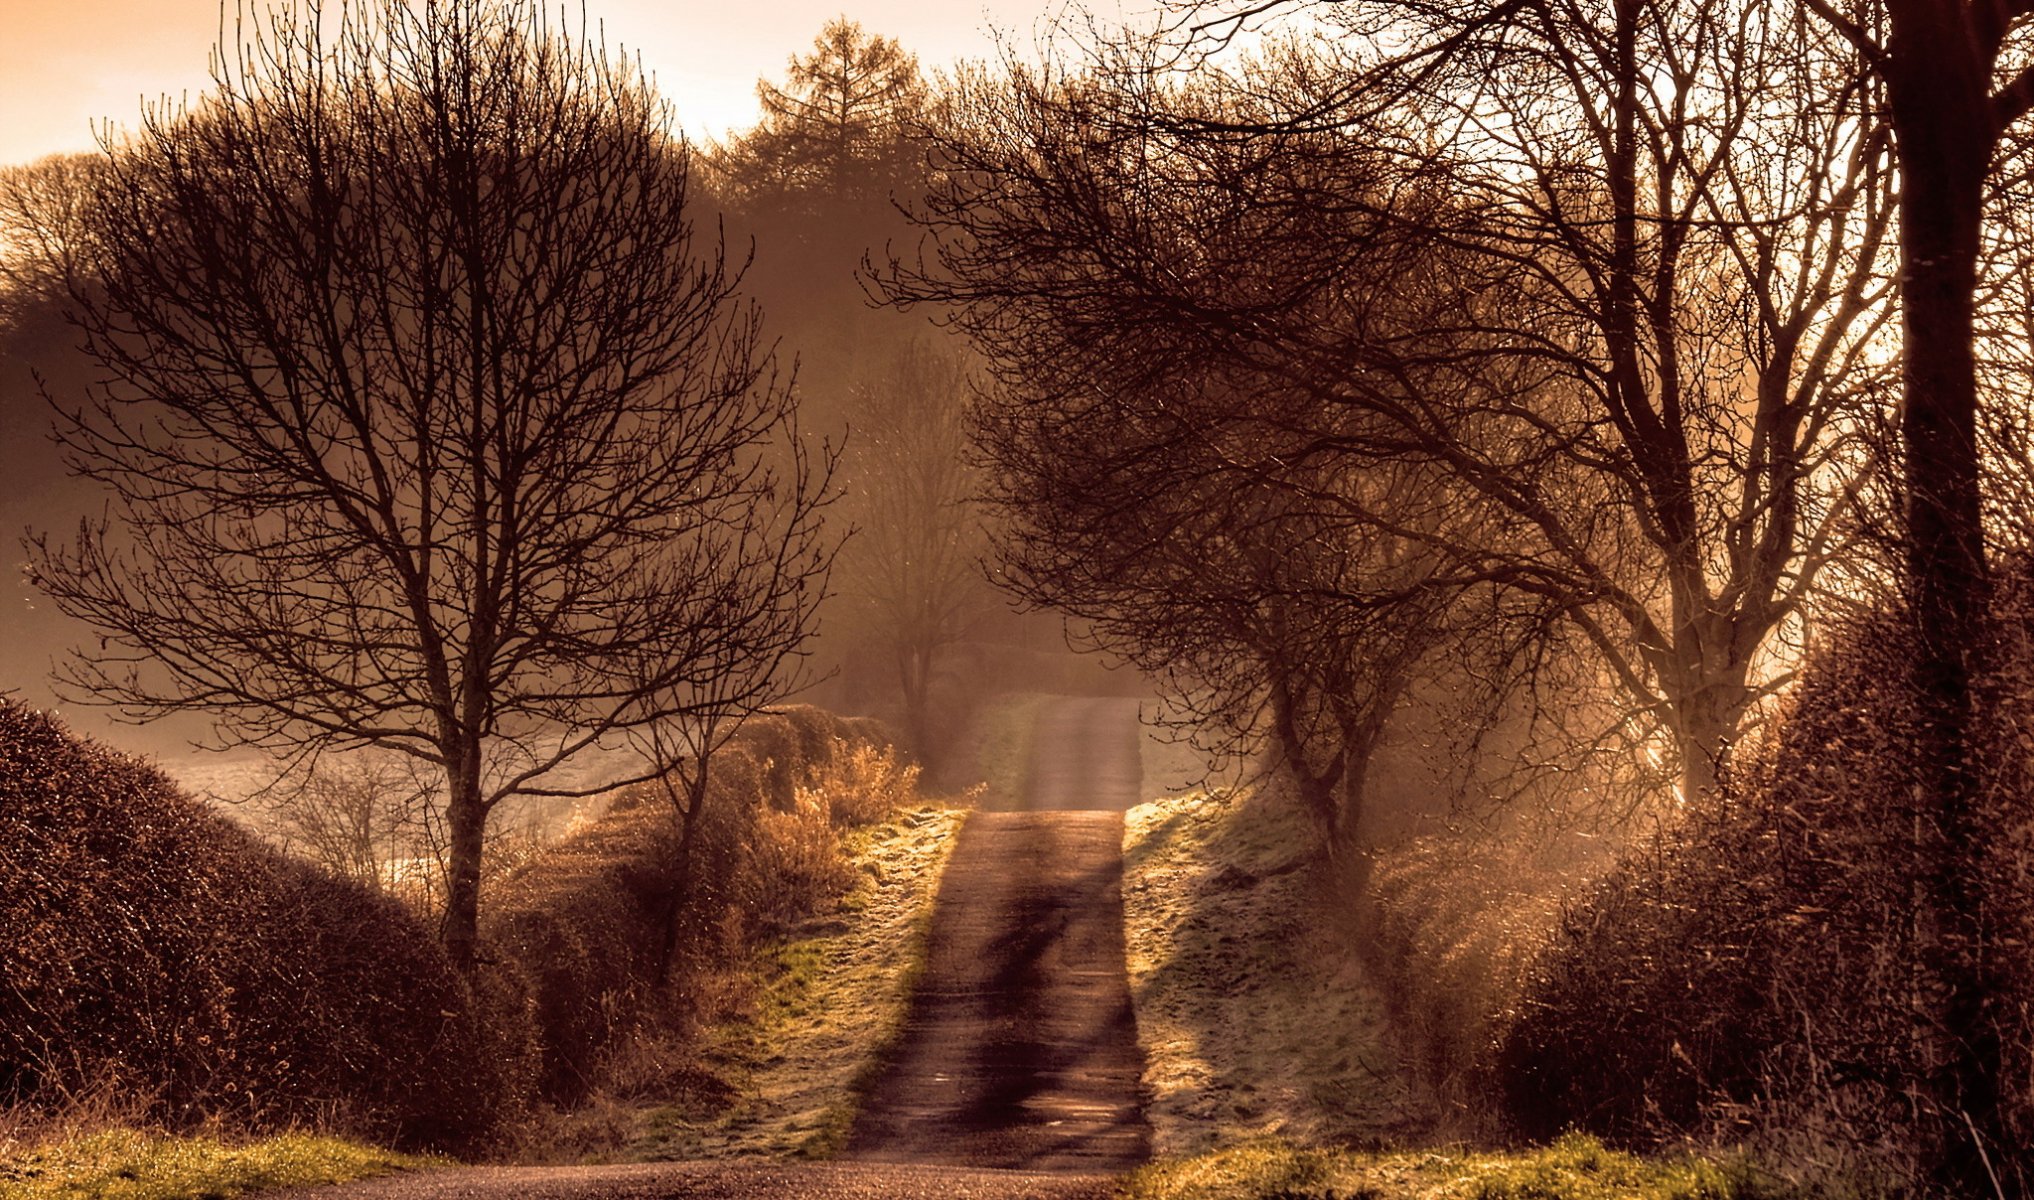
(1021,1047)
(1084,756)
(1017,1075)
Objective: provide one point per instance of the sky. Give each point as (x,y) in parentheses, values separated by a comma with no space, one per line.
(67,63)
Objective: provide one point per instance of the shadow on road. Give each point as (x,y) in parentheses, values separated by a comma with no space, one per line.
(1020,1050)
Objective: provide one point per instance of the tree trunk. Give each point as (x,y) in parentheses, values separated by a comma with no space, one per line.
(1939,87)
(466,813)
(1706,721)
(1361,736)
(1317,789)
(686,810)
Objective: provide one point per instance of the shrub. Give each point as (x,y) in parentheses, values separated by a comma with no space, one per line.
(1754,965)
(155,951)
(1450,926)
(614,926)
(156,947)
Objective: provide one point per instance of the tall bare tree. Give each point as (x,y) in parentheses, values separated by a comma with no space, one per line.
(915,559)
(428,421)
(1957,77)
(1632,306)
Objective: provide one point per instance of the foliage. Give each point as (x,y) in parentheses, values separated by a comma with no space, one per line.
(800,1053)
(1754,967)
(159,951)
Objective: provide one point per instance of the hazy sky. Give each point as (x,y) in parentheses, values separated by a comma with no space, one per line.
(65,63)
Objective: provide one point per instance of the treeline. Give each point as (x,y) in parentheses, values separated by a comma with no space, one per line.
(1615,407)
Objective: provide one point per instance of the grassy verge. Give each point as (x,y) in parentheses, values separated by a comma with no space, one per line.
(125,1165)
(1270,1062)
(832,1002)
(1574,1168)
(1256,1022)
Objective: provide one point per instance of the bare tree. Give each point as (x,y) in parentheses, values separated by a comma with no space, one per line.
(428,420)
(1180,517)
(1957,77)
(49,195)
(1642,311)
(366,817)
(915,558)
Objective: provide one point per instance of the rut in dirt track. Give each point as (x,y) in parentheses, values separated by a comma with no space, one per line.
(1020,1050)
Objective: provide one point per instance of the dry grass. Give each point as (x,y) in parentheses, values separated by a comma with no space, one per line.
(789,1069)
(1574,1168)
(1453,926)
(625,942)
(789,986)
(1256,1019)
(120,1164)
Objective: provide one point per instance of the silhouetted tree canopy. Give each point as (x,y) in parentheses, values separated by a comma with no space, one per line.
(427,420)
(837,128)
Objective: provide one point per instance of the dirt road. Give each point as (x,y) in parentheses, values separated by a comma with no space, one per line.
(1021,1047)
(717,1181)
(1018,1073)
(1084,756)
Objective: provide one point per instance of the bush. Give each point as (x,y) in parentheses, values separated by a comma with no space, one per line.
(1450,927)
(154,947)
(156,951)
(1753,967)
(614,929)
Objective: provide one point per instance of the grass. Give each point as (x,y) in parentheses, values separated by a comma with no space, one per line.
(126,1165)
(833,999)
(1573,1168)
(1256,1021)
(1269,1057)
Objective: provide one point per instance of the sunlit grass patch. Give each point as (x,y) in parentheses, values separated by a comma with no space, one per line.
(1255,1021)
(1580,1168)
(126,1165)
(1255,1169)
(1574,1168)
(830,1004)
